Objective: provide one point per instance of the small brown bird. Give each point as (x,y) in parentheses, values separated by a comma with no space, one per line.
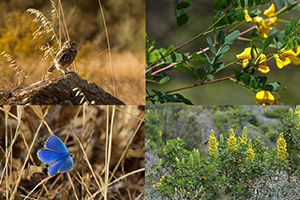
(64,57)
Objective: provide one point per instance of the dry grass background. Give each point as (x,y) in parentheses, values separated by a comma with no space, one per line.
(83,21)
(107,143)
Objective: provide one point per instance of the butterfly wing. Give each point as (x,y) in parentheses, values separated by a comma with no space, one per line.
(48,156)
(53,169)
(54,143)
(67,165)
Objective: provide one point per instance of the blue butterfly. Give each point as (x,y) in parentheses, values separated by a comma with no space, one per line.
(56,155)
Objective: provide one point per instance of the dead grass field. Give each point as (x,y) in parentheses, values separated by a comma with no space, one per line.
(107,144)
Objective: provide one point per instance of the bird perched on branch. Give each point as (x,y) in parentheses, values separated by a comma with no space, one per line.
(64,57)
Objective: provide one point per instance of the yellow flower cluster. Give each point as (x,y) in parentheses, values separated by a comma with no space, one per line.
(266,98)
(287,57)
(213,145)
(259,62)
(243,139)
(162,178)
(281,147)
(250,154)
(159,133)
(263,25)
(232,141)
(297,115)
(297,110)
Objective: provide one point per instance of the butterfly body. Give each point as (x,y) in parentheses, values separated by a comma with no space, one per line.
(56,155)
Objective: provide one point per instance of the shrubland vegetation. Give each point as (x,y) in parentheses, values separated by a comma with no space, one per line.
(244,162)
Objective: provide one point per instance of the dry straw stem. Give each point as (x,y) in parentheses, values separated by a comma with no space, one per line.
(108,45)
(27,157)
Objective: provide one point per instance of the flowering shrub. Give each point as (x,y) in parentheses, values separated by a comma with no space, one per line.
(235,166)
(268,40)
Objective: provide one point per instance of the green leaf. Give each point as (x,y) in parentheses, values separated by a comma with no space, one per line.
(164,80)
(221,37)
(262,80)
(217,58)
(161,98)
(216,67)
(267,42)
(162,56)
(257,2)
(201,73)
(184,4)
(220,4)
(211,45)
(173,56)
(245,78)
(250,3)
(255,12)
(237,74)
(206,57)
(242,2)
(223,49)
(231,38)
(182,18)
(198,59)
(273,86)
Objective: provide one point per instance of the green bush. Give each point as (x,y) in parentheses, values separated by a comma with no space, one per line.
(236,167)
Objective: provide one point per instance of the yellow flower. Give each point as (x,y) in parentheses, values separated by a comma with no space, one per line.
(247,17)
(260,61)
(159,133)
(245,56)
(270,12)
(250,154)
(258,20)
(297,110)
(266,98)
(287,57)
(264,25)
(243,139)
(232,141)
(271,21)
(213,145)
(262,64)
(281,147)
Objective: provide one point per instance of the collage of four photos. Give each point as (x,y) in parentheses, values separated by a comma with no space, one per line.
(144,99)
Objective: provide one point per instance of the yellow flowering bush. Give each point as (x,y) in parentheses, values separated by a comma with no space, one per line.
(232,141)
(213,145)
(243,139)
(281,147)
(237,168)
(250,152)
